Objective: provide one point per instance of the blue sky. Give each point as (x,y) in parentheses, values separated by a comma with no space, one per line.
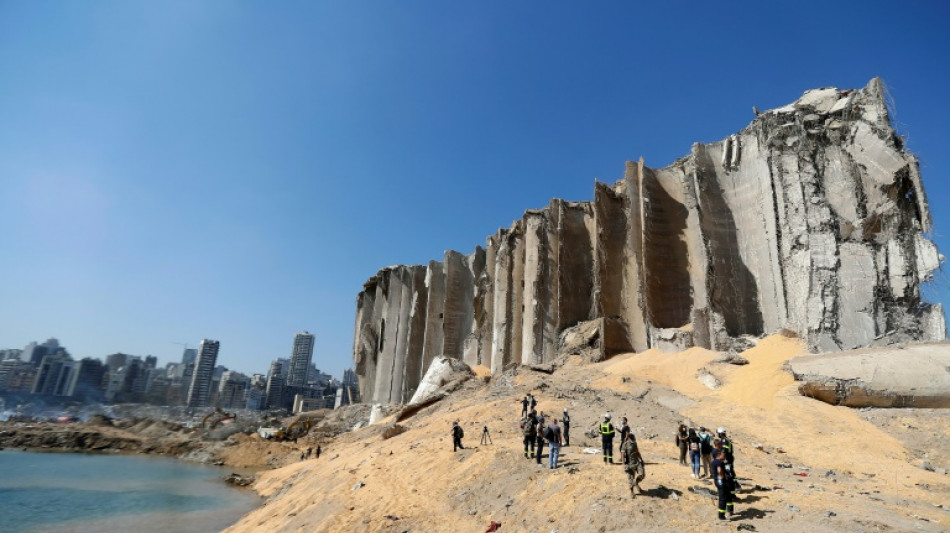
(171,171)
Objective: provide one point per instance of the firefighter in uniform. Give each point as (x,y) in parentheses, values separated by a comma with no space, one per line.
(730,460)
(607,438)
(724,484)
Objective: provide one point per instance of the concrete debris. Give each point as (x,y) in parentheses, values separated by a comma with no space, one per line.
(237,479)
(392,431)
(442,371)
(810,221)
(708,379)
(902,376)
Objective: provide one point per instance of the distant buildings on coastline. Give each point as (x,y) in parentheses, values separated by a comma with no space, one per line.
(47,371)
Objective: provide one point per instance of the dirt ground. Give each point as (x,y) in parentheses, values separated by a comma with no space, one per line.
(804,465)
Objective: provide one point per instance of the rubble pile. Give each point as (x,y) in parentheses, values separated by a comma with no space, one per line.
(809,221)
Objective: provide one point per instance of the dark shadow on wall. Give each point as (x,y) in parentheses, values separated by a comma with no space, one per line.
(669,291)
(733,290)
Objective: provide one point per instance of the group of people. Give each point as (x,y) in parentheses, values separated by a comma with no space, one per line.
(631,459)
(537,430)
(309,451)
(716,456)
(713,455)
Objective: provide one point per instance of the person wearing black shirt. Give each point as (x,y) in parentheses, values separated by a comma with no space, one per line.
(457,435)
(723,482)
(566,423)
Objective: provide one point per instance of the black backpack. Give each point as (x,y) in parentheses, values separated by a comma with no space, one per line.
(705,445)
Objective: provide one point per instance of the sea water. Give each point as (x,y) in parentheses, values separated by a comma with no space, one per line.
(75,493)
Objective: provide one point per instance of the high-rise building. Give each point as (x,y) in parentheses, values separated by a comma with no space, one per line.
(300,360)
(351,387)
(86,385)
(199,393)
(53,375)
(275,384)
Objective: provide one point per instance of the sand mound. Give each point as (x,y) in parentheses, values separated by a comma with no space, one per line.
(805,465)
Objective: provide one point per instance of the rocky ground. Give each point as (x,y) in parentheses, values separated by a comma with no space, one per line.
(234,443)
(804,465)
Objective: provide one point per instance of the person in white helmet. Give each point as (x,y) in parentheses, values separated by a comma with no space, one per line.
(607,439)
(729,450)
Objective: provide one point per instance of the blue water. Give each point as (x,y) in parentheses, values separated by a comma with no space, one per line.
(62,492)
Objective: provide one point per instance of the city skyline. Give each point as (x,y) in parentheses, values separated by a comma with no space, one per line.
(185,355)
(175,171)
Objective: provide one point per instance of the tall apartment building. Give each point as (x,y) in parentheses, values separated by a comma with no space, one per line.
(300,359)
(199,393)
(275,384)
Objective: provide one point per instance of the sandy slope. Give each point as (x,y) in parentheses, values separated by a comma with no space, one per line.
(861,475)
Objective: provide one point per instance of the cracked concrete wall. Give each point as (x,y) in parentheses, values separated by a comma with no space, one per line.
(435,311)
(810,219)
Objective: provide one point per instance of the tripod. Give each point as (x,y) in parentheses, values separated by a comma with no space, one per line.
(486,438)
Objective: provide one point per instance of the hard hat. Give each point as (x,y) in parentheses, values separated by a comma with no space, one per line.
(565,409)
(721,430)
(607,416)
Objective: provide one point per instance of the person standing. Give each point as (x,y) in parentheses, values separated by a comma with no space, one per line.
(554,443)
(457,434)
(624,430)
(729,449)
(532,402)
(705,451)
(682,437)
(566,422)
(694,452)
(318,451)
(539,440)
(529,430)
(524,406)
(723,484)
(607,439)
(633,464)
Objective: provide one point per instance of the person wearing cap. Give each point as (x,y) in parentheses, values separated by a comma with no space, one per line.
(705,448)
(457,435)
(566,426)
(607,439)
